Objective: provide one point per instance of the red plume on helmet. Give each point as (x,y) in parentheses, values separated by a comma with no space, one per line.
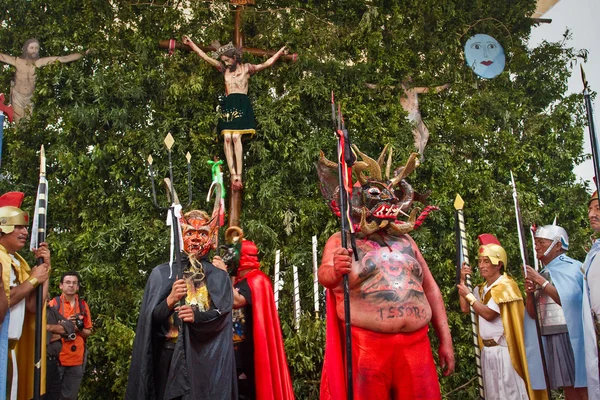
(248,256)
(13,199)
(487,238)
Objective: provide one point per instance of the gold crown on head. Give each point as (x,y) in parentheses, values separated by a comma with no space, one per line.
(224,49)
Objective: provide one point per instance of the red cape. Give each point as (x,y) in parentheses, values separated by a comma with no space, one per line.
(333,378)
(273,380)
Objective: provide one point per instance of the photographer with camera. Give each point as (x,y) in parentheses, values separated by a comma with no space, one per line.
(73,355)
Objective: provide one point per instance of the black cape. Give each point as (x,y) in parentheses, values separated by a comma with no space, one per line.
(203,363)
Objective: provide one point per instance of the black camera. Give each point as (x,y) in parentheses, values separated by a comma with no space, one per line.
(231,257)
(79,321)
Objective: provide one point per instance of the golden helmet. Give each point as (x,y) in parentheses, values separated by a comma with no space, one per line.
(10,213)
(12,216)
(494,252)
(490,247)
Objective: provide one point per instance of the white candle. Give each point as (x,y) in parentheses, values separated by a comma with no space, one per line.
(296,298)
(315,275)
(277,279)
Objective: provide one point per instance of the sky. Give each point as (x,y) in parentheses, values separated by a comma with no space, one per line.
(582,17)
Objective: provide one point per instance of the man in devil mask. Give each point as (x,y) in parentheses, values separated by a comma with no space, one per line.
(393,295)
(186,351)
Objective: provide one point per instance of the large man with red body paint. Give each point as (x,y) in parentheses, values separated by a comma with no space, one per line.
(393,297)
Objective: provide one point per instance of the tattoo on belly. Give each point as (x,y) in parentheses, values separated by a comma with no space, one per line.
(393,312)
(390,274)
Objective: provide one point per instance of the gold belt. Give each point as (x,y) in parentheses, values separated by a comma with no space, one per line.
(489,342)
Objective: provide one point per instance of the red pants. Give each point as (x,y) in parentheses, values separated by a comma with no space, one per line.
(393,366)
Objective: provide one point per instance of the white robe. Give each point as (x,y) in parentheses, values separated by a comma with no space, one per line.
(500,380)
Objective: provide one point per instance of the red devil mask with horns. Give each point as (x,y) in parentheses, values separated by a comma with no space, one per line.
(376,203)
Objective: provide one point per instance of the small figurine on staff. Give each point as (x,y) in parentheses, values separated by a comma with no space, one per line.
(236,117)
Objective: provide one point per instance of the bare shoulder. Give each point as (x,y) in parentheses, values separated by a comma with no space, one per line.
(411,241)
(334,240)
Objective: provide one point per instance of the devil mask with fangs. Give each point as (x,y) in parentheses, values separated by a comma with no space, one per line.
(376,204)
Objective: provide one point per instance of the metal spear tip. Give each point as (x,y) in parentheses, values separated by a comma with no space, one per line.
(188,157)
(169,141)
(150,160)
(458,202)
(585,82)
(514,185)
(42,161)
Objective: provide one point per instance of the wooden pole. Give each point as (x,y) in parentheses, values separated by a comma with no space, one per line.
(315,276)
(464,257)
(297,310)
(277,283)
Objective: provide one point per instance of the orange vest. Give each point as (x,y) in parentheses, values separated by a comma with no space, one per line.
(72,352)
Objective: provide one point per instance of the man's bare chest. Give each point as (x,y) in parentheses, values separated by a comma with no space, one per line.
(387,273)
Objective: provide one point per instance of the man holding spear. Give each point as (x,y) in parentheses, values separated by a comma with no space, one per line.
(498,304)
(185,351)
(557,290)
(20,282)
(391,291)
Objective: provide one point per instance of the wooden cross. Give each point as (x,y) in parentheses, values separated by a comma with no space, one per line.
(238,40)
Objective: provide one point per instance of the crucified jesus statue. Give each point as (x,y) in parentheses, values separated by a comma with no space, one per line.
(236,117)
(23,84)
(410,103)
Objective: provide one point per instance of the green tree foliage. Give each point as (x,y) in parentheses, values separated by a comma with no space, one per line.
(100,117)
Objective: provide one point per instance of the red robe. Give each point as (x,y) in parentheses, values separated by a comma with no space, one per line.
(273,380)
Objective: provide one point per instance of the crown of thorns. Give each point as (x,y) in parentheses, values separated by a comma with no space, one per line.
(229,47)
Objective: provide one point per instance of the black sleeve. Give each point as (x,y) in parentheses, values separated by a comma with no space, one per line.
(244,289)
(161,313)
(201,317)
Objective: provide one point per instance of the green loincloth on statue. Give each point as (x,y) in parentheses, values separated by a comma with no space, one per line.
(236,115)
